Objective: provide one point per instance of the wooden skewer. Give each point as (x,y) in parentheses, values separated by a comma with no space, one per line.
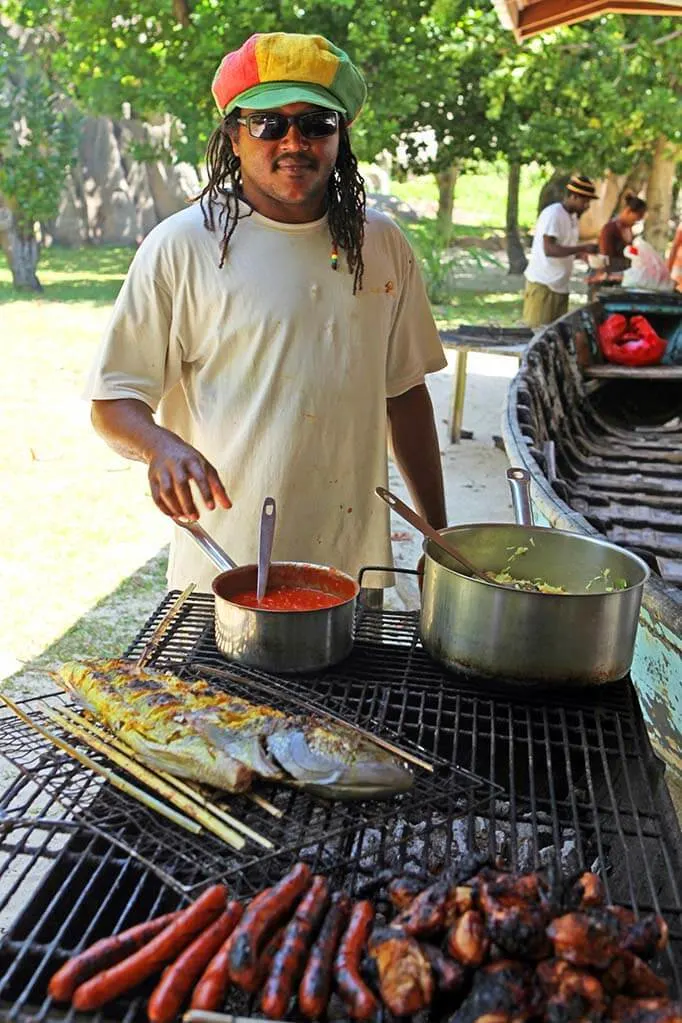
(153,641)
(311,708)
(206,1016)
(114,779)
(264,804)
(190,790)
(144,775)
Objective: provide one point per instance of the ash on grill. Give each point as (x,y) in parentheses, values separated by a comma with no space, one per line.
(429,845)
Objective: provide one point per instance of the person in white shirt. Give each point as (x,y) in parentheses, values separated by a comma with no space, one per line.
(278,330)
(555,246)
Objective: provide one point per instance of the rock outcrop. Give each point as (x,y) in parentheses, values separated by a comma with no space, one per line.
(113,198)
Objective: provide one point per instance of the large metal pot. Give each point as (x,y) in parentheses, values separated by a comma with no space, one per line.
(282,641)
(582,637)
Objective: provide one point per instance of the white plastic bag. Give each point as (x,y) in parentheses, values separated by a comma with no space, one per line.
(647,270)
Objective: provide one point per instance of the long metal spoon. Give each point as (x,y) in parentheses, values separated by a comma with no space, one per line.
(428,531)
(267,533)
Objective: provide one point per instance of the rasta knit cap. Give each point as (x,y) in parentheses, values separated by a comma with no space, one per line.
(580,185)
(272,69)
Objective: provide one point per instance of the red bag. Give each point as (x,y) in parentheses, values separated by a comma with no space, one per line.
(630,344)
(612,329)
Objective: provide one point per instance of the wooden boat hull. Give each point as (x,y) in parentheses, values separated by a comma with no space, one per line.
(541,432)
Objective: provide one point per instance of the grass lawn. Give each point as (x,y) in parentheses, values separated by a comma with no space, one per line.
(75,518)
(83,560)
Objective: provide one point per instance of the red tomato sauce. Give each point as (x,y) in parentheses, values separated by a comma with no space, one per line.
(288,598)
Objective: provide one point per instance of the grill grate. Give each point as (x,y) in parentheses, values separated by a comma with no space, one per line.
(569,778)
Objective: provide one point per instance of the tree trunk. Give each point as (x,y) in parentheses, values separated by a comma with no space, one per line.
(515,254)
(22,255)
(659,195)
(446,197)
(181,13)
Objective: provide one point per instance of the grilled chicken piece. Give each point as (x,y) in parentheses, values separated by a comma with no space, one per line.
(588,891)
(405,976)
(645,1010)
(402,891)
(640,979)
(580,996)
(549,974)
(584,939)
(502,992)
(517,915)
(646,936)
(450,977)
(427,913)
(466,940)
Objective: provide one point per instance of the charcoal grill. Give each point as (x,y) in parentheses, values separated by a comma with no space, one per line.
(534,777)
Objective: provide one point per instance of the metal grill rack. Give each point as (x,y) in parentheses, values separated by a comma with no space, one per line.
(569,778)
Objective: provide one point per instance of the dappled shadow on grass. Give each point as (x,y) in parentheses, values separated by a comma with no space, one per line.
(105,630)
(88,274)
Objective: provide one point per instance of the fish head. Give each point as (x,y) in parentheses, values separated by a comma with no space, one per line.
(338,763)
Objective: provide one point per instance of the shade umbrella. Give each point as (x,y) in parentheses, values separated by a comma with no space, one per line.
(529,17)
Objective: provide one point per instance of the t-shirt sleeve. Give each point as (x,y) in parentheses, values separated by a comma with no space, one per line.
(553,223)
(414,346)
(139,355)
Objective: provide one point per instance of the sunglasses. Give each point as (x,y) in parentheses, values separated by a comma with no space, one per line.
(313,124)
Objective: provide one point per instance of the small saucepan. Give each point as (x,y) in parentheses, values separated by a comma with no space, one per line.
(293,639)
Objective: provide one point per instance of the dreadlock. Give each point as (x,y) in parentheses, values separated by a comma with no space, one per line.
(346,199)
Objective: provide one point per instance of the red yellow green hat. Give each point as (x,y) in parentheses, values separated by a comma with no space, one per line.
(272,69)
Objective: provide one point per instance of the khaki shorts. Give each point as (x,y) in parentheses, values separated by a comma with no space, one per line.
(541,305)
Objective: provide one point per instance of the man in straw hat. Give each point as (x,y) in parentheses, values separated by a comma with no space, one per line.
(271,338)
(555,246)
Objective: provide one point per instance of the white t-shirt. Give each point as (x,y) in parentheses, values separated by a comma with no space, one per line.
(278,374)
(554,271)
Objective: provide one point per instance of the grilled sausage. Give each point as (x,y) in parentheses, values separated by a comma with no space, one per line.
(313,992)
(210,992)
(260,920)
(178,979)
(357,997)
(266,959)
(111,983)
(104,953)
(289,961)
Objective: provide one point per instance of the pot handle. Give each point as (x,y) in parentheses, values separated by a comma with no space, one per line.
(519,482)
(211,549)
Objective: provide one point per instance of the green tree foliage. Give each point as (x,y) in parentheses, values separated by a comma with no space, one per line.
(37,139)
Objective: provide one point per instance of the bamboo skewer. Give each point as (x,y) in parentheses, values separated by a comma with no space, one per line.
(311,708)
(264,804)
(190,790)
(143,774)
(114,779)
(207,1016)
(153,641)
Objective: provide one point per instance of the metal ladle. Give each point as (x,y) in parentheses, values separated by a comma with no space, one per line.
(267,533)
(429,532)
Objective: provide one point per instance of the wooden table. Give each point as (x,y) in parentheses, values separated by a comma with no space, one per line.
(488,340)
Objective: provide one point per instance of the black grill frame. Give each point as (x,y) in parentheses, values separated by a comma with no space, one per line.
(553,762)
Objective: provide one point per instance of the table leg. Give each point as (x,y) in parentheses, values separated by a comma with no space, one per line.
(457,413)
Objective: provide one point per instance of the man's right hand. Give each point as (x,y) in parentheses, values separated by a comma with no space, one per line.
(128,426)
(172,467)
(591,249)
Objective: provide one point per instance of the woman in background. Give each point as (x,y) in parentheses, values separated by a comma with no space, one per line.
(618,232)
(675,258)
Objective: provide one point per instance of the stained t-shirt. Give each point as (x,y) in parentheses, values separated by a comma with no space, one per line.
(277,373)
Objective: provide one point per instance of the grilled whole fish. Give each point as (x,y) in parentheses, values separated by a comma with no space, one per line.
(194,730)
